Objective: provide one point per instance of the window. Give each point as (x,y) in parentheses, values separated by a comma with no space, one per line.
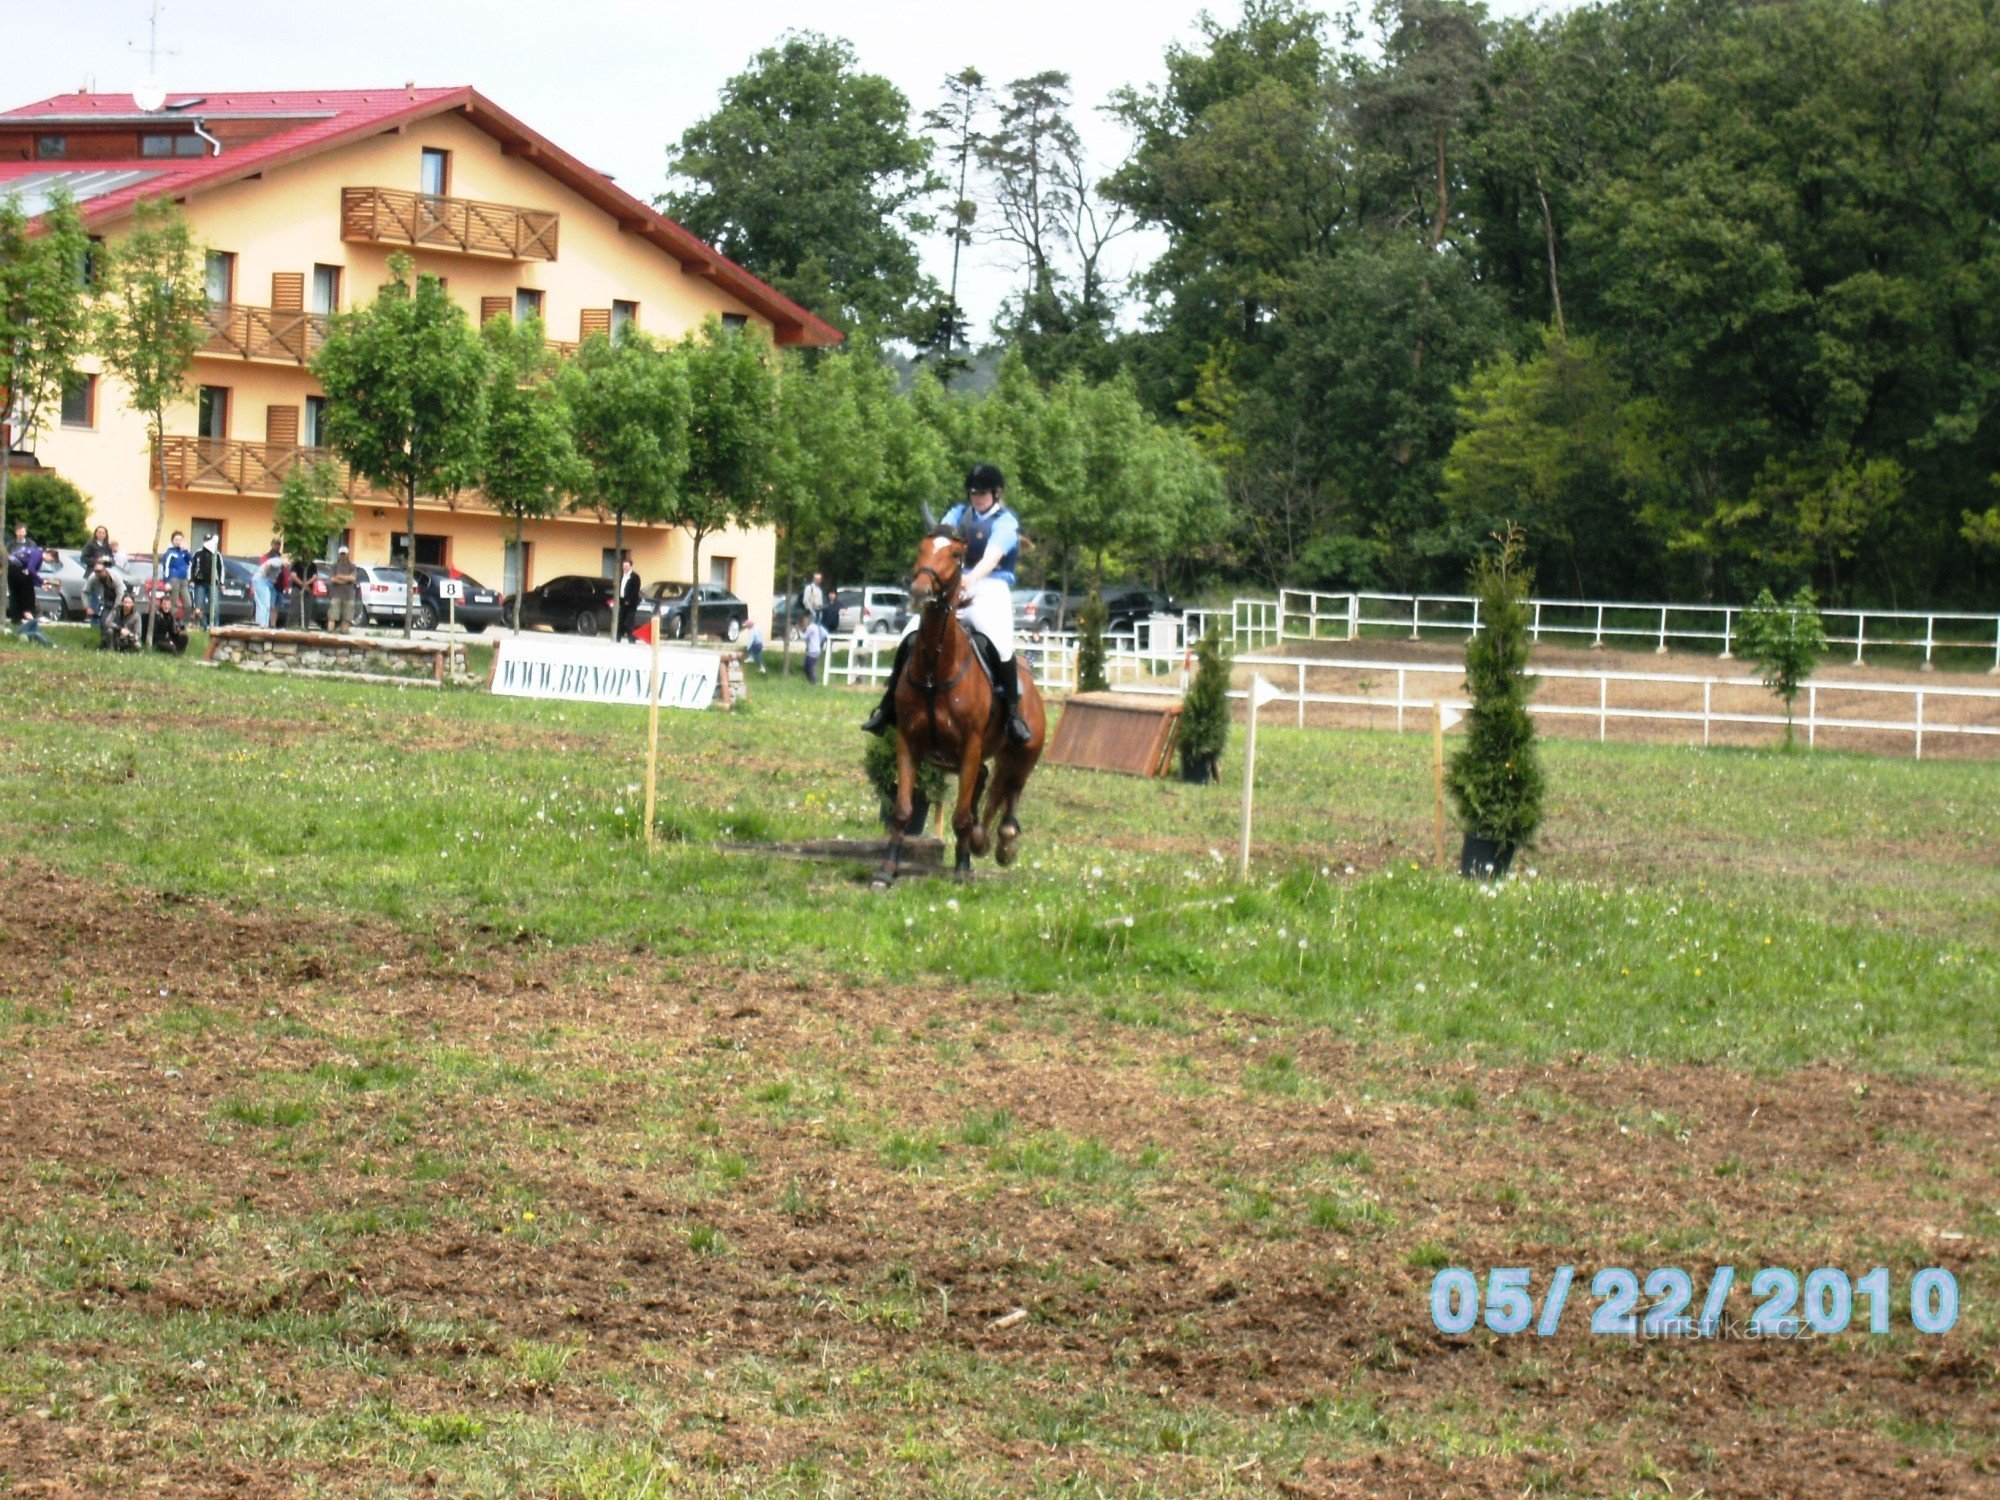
(170,145)
(527,304)
(314,435)
(79,401)
(51,147)
(608,568)
(735,322)
(430,549)
(326,289)
(221,275)
(200,530)
(623,315)
(515,571)
(212,412)
(722,572)
(435,176)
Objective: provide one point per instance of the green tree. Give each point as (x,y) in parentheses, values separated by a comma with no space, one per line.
(308,514)
(44,317)
(151,317)
(1204,726)
(530,464)
(1495,775)
(1090,674)
(55,511)
(732,432)
(406,385)
(628,406)
(955,123)
(810,175)
(1785,641)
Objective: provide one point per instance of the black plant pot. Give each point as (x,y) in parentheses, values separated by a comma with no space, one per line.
(1200,769)
(1484,858)
(920,811)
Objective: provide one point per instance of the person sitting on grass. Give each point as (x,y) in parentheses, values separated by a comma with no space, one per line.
(753,646)
(122,626)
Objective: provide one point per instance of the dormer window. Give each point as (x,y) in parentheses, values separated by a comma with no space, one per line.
(163,144)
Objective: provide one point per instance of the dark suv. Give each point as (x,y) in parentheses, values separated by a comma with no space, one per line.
(573,602)
(1126,606)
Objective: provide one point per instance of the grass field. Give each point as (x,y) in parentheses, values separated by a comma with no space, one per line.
(384,1120)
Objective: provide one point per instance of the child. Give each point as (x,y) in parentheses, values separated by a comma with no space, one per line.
(816,642)
(753,646)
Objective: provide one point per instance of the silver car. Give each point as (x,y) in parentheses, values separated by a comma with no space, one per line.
(71,575)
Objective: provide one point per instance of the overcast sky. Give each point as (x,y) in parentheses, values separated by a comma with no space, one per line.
(613,81)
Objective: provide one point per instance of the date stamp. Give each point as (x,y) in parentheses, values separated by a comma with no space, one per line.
(1784,1305)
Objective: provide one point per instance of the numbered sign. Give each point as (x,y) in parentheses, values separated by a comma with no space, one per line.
(450,589)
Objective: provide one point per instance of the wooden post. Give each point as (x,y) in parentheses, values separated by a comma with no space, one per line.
(1249,783)
(653,733)
(1437,772)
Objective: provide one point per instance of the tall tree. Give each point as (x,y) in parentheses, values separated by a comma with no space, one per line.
(628,405)
(810,175)
(956,123)
(150,319)
(406,388)
(732,431)
(44,317)
(529,465)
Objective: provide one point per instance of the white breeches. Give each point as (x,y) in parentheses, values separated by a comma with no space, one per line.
(991,613)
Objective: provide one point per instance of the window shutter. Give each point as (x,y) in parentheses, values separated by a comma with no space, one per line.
(491,308)
(595,320)
(288,291)
(281,426)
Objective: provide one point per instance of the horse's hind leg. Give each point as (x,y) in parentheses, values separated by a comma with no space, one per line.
(963,822)
(981,835)
(1011,770)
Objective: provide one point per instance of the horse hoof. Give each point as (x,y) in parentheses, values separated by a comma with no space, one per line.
(979,841)
(1003,856)
(962,874)
(881,880)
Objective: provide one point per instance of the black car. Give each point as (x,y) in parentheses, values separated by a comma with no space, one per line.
(573,602)
(1125,607)
(478,606)
(722,613)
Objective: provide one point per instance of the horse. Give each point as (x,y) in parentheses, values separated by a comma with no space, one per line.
(945,714)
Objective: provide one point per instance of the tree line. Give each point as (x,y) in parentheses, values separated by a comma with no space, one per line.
(1704,295)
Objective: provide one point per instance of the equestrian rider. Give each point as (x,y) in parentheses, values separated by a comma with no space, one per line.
(986,595)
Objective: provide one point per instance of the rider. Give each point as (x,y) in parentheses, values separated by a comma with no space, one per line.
(992,546)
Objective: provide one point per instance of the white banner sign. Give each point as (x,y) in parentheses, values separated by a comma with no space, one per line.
(561,666)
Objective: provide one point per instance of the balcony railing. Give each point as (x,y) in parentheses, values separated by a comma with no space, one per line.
(384,216)
(240,331)
(196,463)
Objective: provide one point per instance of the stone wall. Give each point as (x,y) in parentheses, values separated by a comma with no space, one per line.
(316,651)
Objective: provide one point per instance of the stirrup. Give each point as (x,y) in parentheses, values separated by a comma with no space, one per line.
(879,722)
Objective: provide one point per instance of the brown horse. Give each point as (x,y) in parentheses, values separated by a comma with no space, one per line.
(945,715)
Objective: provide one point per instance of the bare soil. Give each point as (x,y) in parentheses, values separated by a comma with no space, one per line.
(1164,1287)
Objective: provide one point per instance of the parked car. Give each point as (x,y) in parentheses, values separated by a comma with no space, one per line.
(382,592)
(1037,610)
(70,574)
(478,606)
(1125,606)
(878,609)
(787,619)
(235,604)
(573,602)
(722,613)
(49,597)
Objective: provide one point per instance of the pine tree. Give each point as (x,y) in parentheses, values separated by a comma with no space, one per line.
(1204,731)
(1495,777)
(1090,675)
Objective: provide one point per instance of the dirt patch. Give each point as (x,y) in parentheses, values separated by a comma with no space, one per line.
(811,1219)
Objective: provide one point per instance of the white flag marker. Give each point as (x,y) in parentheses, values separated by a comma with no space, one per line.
(1261,692)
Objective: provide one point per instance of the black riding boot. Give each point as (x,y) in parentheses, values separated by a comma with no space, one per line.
(884,717)
(1007,680)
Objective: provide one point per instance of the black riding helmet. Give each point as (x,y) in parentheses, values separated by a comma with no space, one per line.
(984,477)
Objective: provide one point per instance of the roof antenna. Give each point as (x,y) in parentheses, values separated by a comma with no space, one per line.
(151,93)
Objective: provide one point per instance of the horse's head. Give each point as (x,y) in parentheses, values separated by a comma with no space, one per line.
(940,566)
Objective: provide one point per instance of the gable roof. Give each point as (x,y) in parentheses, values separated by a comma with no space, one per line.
(310,121)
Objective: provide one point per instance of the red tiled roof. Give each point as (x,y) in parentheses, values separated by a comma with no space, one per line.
(331,117)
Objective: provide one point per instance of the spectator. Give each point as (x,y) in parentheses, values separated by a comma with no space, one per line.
(119,622)
(266,582)
(24,567)
(205,572)
(174,568)
(102,591)
(830,614)
(816,640)
(343,593)
(753,646)
(812,598)
(98,546)
(628,600)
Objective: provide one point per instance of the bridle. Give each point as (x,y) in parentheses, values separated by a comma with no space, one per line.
(941,599)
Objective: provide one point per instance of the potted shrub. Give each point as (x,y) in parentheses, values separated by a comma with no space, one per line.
(1090,675)
(1495,776)
(878,759)
(1785,641)
(1204,730)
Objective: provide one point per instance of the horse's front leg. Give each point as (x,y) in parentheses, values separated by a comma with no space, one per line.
(906,788)
(963,821)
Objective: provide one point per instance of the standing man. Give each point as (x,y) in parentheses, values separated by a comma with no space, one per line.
(24,569)
(266,582)
(628,600)
(992,539)
(816,639)
(343,593)
(812,599)
(103,594)
(174,568)
(205,574)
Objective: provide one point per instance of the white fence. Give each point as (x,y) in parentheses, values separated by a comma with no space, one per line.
(1137,666)
(1303,615)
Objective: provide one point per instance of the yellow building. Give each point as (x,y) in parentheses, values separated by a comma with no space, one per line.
(300,199)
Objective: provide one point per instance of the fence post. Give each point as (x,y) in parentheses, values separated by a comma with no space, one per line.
(1302,695)
(1930,641)
(1354,627)
(1662,651)
(1860,634)
(1535,630)
(1401,672)
(1597,640)
(1707,694)
(1475,617)
(1416,619)
(1920,723)
(1728,616)
(1603,700)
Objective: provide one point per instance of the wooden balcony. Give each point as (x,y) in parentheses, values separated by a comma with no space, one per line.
(194,463)
(237,330)
(384,216)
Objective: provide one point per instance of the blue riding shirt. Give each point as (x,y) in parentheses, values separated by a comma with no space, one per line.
(997,530)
